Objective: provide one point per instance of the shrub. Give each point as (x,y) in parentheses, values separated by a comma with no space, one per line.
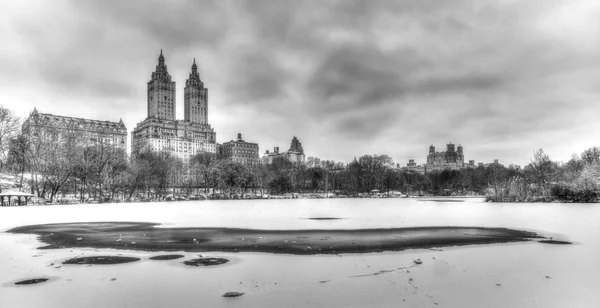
(568,193)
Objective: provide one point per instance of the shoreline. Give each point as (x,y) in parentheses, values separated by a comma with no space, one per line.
(144,236)
(271,197)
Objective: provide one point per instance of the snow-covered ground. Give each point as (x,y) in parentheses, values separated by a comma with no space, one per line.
(505,275)
(10,182)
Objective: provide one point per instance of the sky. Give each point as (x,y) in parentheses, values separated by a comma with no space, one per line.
(348,78)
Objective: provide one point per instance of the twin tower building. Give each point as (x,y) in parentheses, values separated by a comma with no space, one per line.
(192,135)
(161,131)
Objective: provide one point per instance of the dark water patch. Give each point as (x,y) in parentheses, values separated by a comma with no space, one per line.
(205,262)
(166,257)
(101,260)
(555,242)
(31,281)
(300,242)
(444,200)
(233,294)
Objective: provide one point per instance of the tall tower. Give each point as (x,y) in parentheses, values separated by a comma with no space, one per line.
(296,146)
(161,92)
(196,98)
(461,157)
(431,155)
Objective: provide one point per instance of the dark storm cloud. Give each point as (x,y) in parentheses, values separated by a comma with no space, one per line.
(180,24)
(361,75)
(354,124)
(473,81)
(278,21)
(77,78)
(73,55)
(364,75)
(260,77)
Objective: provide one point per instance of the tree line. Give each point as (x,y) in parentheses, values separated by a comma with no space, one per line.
(54,164)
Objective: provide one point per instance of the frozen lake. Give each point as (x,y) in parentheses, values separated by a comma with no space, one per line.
(526,274)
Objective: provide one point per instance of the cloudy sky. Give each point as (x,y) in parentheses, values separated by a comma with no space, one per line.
(348,78)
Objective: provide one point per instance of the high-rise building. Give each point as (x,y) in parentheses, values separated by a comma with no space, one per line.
(161,131)
(86,132)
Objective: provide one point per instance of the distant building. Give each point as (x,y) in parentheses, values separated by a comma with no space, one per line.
(295,154)
(161,131)
(412,166)
(269,156)
(451,159)
(85,131)
(495,163)
(239,151)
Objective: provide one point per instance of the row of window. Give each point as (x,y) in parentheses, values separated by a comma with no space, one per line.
(70,121)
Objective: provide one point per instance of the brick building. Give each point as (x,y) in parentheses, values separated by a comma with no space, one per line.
(239,151)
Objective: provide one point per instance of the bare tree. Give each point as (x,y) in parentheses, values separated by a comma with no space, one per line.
(590,176)
(541,168)
(17,157)
(262,177)
(204,164)
(9,128)
(591,155)
(52,153)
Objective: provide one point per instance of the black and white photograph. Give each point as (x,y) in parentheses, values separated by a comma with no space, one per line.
(299,153)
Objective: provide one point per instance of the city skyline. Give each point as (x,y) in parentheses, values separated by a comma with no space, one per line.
(501,79)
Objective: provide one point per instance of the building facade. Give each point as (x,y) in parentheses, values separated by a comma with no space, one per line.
(86,132)
(451,159)
(295,154)
(161,131)
(239,151)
